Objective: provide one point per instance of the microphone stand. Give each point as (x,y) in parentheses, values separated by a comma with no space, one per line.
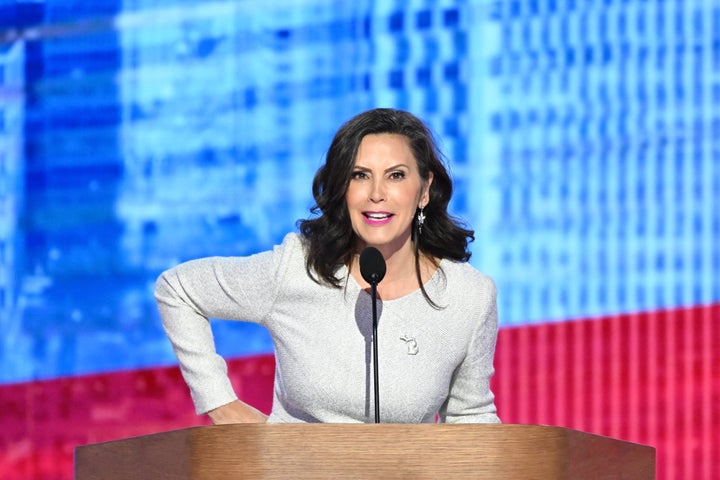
(376,375)
(372,269)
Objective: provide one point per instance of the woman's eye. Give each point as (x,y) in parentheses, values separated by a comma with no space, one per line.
(358,175)
(397,175)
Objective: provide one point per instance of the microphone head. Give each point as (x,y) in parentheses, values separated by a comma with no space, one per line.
(372,265)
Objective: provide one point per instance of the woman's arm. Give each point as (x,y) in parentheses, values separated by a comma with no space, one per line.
(470,399)
(188,295)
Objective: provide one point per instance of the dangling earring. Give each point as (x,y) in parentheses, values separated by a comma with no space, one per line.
(420,220)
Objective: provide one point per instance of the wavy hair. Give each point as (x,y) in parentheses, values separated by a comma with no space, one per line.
(329,238)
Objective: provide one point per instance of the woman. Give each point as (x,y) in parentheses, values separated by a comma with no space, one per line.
(382,185)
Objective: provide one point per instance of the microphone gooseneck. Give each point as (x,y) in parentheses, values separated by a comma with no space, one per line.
(372,269)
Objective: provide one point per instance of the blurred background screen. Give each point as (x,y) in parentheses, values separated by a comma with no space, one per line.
(583,142)
(583,138)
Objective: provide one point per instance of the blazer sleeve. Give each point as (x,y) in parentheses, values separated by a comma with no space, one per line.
(470,399)
(230,288)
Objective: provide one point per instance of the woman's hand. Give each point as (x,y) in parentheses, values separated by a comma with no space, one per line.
(236,412)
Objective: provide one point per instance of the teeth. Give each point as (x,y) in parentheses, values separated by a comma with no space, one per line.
(377,216)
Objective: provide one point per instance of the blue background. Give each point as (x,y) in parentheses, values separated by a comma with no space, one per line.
(583,137)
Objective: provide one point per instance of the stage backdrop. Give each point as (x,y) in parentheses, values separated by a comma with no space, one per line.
(583,138)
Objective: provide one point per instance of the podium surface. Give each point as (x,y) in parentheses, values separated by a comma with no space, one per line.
(358,451)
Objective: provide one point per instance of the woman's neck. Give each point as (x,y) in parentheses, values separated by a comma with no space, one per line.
(400,276)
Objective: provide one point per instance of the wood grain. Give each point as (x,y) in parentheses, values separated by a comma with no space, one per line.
(390,451)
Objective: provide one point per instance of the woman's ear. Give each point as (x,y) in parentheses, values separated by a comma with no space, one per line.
(425,197)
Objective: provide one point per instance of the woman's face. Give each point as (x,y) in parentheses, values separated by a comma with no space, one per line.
(384,192)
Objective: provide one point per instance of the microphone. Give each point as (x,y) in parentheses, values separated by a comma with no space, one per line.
(372,265)
(372,269)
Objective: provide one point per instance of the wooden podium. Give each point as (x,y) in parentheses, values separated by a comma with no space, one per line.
(372,451)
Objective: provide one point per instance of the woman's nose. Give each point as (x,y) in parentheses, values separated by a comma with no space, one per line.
(377,192)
